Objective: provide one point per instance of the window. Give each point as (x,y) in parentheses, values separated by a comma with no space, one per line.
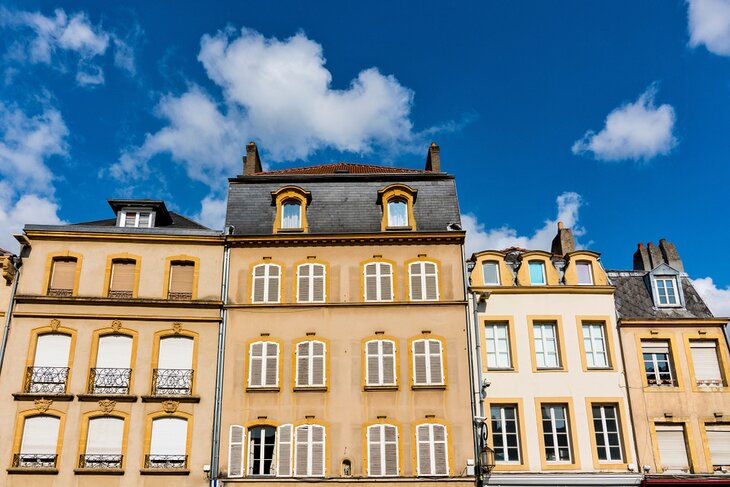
(718,442)
(666,290)
(112,372)
(266,279)
(658,363)
(546,345)
(498,346)
(103,443)
(291,215)
(706,364)
(261,443)
(311,283)
(382,450)
(380,363)
(122,280)
(424,281)
(505,434)
(136,219)
(608,436)
(38,448)
(672,447)
(168,444)
(309,451)
(397,201)
(432,450)
(594,343)
(537,273)
(174,372)
(397,213)
(291,209)
(182,279)
(49,372)
(584,270)
(63,276)
(311,364)
(490,269)
(555,434)
(263,368)
(428,369)
(378,281)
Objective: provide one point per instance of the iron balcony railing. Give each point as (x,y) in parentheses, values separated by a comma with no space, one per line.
(120,294)
(100,461)
(34,460)
(63,293)
(46,380)
(109,381)
(166,461)
(179,296)
(172,382)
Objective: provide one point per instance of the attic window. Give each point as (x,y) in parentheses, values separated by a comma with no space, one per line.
(136,218)
(666,291)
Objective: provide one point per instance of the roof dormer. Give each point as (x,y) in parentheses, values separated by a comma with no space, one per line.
(665,285)
(140,213)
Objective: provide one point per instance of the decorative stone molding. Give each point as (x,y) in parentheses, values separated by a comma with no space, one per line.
(55,324)
(43,404)
(177,327)
(170,406)
(107,405)
(116,325)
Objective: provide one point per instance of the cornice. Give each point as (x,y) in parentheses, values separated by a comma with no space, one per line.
(116,302)
(385,238)
(357,304)
(672,321)
(118,237)
(545,289)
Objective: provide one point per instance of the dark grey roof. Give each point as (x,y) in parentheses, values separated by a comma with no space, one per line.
(634,300)
(340,203)
(176,221)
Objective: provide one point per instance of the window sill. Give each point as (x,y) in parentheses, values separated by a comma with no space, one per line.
(399,229)
(32,471)
(380,388)
(290,230)
(193,399)
(164,471)
(551,369)
(99,471)
(262,389)
(434,387)
(99,397)
(311,389)
(600,369)
(506,369)
(32,396)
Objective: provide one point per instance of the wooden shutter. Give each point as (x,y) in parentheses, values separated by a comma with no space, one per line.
(301,451)
(64,274)
(390,450)
(431,278)
(419,363)
(304,272)
(273,284)
(236,442)
(181,277)
(672,447)
(440,453)
(388,362)
(371,282)
(272,364)
(372,353)
(318,283)
(319,357)
(317,450)
(718,440)
(284,450)
(423,438)
(706,365)
(416,282)
(259,282)
(123,275)
(435,359)
(256,365)
(303,359)
(386,282)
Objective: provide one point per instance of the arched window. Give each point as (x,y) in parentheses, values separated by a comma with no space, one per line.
(63,276)
(432,450)
(266,283)
(397,213)
(38,448)
(378,281)
(383,452)
(423,281)
(291,215)
(168,443)
(261,445)
(311,359)
(174,372)
(49,372)
(112,372)
(311,279)
(380,363)
(103,443)
(428,366)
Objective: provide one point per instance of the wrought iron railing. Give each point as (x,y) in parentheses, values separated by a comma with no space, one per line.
(172,382)
(709,382)
(60,292)
(179,296)
(100,461)
(45,380)
(120,294)
(34,460)
(109,381)
(165,461)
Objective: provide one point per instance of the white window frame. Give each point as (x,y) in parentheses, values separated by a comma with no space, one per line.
(377,276)
(402,201)
(310,363)
(504,434)
(675,291)
(588,264)
(558,359)
(291,202)
(265,358)
(605,433)
(592,352)
(544,272)
(428,357)
(122,220)
(494,326)
(484,274)
(249,452)
(554,433)
(266,277)
(381,364)
(655,363)
(704,344)
(432,450)
(381,446)
(421,264)
(311,278)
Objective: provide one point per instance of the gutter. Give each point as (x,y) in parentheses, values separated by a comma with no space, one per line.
(17,264)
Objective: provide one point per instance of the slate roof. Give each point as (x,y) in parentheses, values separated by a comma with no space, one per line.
(344,168)
(634,301)
(178,221)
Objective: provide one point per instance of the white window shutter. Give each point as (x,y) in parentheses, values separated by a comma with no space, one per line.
(372,369)
(318,283)
(259,282)
(317,451)
(390,450)
(435,362)
(440,450)
(273,284)
(386,282)
(303,282)
(272,364)
(319,357)
(419,363)
(375,460)
(303,356)
(284,450)
(301,451)
(236,442)
(672,447)
(388,364)
(416,283)
(371,282)
(423,438)
(718,440)
(256,364)
(431,278)
(706,366)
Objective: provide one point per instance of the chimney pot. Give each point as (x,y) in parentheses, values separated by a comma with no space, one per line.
(252,161)
(433,160)
(560,225)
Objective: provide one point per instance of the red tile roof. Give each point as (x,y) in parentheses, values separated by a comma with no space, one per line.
(343,168)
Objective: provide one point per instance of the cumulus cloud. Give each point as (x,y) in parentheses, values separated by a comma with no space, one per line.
(213,212)
(636,131)
(709,25)
(479,237)
(716,298)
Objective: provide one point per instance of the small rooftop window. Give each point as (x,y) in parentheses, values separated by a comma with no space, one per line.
(134,218)
(666,291)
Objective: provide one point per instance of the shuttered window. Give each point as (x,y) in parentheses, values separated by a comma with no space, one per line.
(672,447)
(121,283)
(105,436)
(718,441)
(263,370)
(424,281)
(311,360)
(428,367)
(182,275)
(594,343)
(498,350)
(40,436)
(311,283)
(382,450)
(236,440)
(380,363)
(169,438)
(309,450)
(284,450)
(706,364)
(378,281)
(546,345)
(52,350)
(266,279)
(63,276)
(432,450)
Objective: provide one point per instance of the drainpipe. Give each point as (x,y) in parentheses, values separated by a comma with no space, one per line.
(215,451)
(17,263)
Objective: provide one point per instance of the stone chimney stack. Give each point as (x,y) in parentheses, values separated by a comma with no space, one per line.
(655,255)
(433,160)
(670,254)
(563,243)
(252,162)
(641,259)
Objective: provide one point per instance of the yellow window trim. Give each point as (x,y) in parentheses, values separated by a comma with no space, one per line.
(295,363)
(444,365)
(159,335)
(291,193)
(571,274)
(397,191)
(673,349)
(327,441)
(506,278)
(688,443)
(247,364)
(608,332)
(162,414)
(407,270)
(251,268)
(510,321)
(108,271)
(109,331)
(295,284)
(449,444)
(721,348)
(363,361)
(33,342)
(393,278)
(517,403)
(574,445)
(704,423)
(618,403)
(562,357)
(89,415)
(20,426)
(49,269)
(168,267)
(523,273)
(366,447)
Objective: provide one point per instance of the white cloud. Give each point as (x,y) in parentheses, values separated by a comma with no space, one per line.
(716,298)
(29,208)
(709,25)
(637,131)
(213,212)
(478,237)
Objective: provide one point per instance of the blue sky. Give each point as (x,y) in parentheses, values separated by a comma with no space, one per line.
(611,116)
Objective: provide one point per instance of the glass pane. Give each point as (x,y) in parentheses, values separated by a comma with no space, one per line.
(291,215)
(491,273)
(584,273)
(537,273)
(397,214)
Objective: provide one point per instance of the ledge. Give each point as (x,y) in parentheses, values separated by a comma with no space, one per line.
(381,388)
(106,301)
(113,397)
(262,389)
(164,471)
(435,387)
(310,389)
(32,471)
(192,399)
(99,471)
(32,396)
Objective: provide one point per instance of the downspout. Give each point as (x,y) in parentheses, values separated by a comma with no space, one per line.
(470,358)
(215,448)
(17,264)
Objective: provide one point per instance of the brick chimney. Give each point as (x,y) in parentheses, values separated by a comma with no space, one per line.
(641,259)
(433,160)
(563,243)
(655,255)
(670,254)
(252,162)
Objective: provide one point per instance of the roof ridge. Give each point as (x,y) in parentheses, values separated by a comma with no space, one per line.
(343,164)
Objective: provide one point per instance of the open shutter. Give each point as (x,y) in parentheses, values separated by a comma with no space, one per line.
(64,274)
(375,458)
(390,450)
(181,277)
(318,280)
(672,448)
(319,357)
(431,278)
(303,350)
(256,366)
(419,363)
(317,451)
(440,453)
(123,275)
(718,440)
(372,353)
(423,438)
(272,364)
(435,365)
(259,281)
(304,283)
(416,282)
(301,451)
(236,442)
(706,366)
(284,450)
(386,282)
(273,284)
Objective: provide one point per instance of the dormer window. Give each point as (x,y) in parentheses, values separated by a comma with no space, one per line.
(491,273)
(291,209)
(397,201)
(131,218)
(291,215)
(397,213)
(537,273)
(584,272)
(666,291)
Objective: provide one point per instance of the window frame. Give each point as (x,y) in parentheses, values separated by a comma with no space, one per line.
(449,453)
(248,368)
(366,448)
(96,336)
(675,288)
(495,263)
(608,338)
(172,260)
(704,424)
(674,364)
(519,433)
(422,261)
(508,321)
(402,192)
(20,419)
(266,277)
(723,360)
(67,255)
(622,422)
(53,328)
(295,364)
(84,436)
(287,193)
(158,337)
(541,263)
(688,444)
(396,363)
(567,403)
(325,284)
(325,467)
(557,321)
(247,466)
(151,417)
(363,280)
(443,384)
(589,265)
(109,269)
(122,216)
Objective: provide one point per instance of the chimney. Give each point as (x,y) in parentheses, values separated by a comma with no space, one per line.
(563,243)
(433,160)
(641,259)
(252,162)
(670,254)
(655,255)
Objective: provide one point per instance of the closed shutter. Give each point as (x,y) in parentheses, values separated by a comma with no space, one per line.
(427,363)
(382,450)
(114,352)
(432,450)
(52,350)
(435,366)
(388,362)
(236,442)
(284,450)
(672,447)
(181,277)
(372,370)
(64,274)
(123,275)
(718,440)
(655,347)
(105,436)
(706,366)
(303,364)
(301,451)
(304,283)
(130,219)
(259,284)
(318,278)
(375,455)
(423,438)
(169,436)
(176,353)
(378,282)
(371,282)
(318,363)
(273,284)
(440,454)
(272,364)
(390,453)
(424,281)
(431,279)
(386,282)
(40,435)
(416,281)
(256,366)
(317,442)
(420,370)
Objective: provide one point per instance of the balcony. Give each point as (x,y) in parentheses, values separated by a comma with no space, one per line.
(172,382)
(45,380)
(709,382)
(106,381)
(34,461)
(179,296)
(120,294)
(100,462)
(165,464)
(61,293)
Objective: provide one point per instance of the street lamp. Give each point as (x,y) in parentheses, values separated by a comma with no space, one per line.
(486,459)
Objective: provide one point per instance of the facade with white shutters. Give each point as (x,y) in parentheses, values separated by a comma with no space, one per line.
(345,346)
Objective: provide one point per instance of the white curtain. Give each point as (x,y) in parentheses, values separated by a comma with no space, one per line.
(176,353)
(105,436)
(52,350)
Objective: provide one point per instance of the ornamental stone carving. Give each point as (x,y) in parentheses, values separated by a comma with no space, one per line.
(42,404)
(170,406)
(116,325)
(55,324)
(107,405)
(177,327)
